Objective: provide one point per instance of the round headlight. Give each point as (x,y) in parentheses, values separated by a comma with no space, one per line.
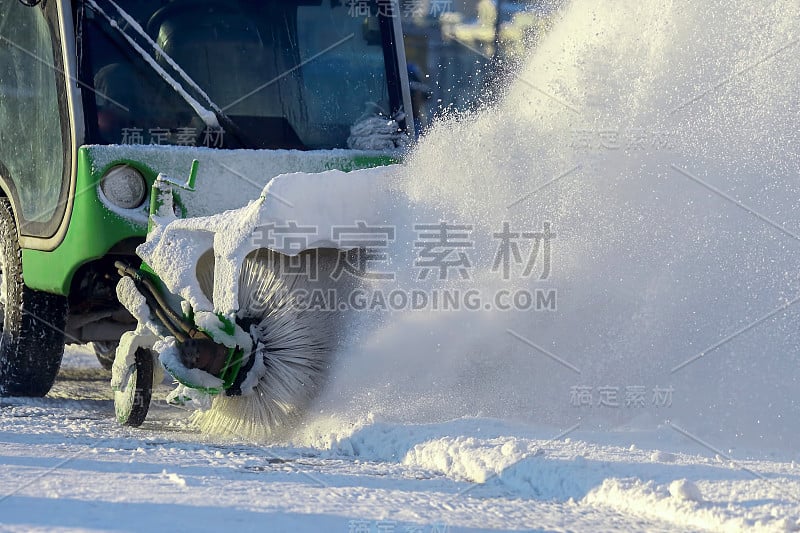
(124,187)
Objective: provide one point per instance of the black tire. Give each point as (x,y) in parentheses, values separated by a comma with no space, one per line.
(31,325)
(105,352)
(132,404)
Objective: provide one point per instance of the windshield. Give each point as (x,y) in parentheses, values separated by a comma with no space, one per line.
(287,74)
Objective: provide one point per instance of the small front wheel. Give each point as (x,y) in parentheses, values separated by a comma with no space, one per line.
(133,401)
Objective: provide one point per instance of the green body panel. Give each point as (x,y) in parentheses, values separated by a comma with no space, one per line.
(94,229)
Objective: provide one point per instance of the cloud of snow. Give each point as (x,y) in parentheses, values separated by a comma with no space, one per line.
(659,139)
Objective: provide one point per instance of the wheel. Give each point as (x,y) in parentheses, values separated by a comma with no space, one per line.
(132,404)
(105,352)
(32,322)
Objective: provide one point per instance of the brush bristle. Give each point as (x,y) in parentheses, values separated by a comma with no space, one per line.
(295,346)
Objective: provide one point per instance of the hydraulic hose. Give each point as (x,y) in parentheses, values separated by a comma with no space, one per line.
(176,325)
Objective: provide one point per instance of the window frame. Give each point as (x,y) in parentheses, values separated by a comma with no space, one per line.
(49,228)
(395,71)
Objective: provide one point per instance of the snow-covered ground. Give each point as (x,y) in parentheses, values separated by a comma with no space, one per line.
(65,464)
(658,139)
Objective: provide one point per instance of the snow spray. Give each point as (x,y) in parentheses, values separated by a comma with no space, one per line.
(652,145)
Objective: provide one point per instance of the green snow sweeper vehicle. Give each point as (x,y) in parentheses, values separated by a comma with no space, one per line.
(102,101)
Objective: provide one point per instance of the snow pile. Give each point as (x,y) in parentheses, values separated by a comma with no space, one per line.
(491,459)
(174,478)
(466,458)
(683,489)
(659,456)
(647,499)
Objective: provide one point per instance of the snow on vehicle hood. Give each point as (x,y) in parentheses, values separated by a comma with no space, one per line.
(226,179)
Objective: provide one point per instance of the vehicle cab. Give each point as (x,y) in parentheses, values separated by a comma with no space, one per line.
(97,97)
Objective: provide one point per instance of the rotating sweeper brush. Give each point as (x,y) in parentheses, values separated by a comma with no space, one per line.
(268,380)
(247,331)
(292,346)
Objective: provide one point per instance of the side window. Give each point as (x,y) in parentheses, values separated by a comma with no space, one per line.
(31,139)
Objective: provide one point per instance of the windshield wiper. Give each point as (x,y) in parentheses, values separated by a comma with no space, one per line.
(213,118)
